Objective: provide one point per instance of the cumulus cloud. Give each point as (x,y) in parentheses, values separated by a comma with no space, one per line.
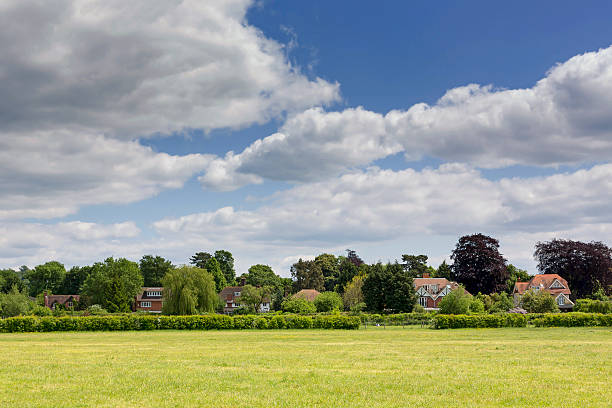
(564,119)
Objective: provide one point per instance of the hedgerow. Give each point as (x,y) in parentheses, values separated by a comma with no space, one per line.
(478,321)
(149,322)
(573,319)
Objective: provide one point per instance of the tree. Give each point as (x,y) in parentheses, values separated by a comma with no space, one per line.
(14,303)
(389,288)
(212,267)
(306,275)
(153,269)
(353,294)
(478,265)
(253,297)
(329,267)
(74,280)
(444,271)
(8,279)
(456,302)
(226,263)
(200,259)
(46,277)
(189,290)
(538,301)
(515,275)
(328,302)
(585,266)
(298,305)
(113,284)
(415,264)
(262,275)
(347,270)
(354,258)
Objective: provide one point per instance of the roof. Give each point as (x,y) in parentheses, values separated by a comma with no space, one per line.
(543,281)
(441,282)
(143,290)
(61,298)
(308,294)
(227,293)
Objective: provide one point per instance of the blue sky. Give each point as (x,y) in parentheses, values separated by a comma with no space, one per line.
(118,144)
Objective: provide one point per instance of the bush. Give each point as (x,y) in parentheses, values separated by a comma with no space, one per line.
(14,303)
(573,319)
(456,302)
(478,321)
(298,306)
(593,306)
(328,302)
(538,301)
(96,310)
(41,311)
(476,306)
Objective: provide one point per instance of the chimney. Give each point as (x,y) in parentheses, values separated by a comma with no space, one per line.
(426,275)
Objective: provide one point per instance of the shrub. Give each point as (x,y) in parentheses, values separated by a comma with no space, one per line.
(478,321)
(96,310)
(456,302)
(14,303)
(593,306)
(298,305)
(538,301)
(573,319)
(328,302)
(476,306)
(41,311)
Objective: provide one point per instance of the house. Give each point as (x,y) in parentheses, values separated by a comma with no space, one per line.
(67,301)
(431,291)
(308,294)
(549,282)
(231,298)
(149,300)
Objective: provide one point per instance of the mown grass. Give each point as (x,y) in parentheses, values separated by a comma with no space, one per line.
(392,367)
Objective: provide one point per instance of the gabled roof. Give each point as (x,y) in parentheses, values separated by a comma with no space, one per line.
(61,298)
(424,284)
(308,294)
(142,295)
(543,281)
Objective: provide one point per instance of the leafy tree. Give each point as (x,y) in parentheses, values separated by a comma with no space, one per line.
(478,265)
(226,263)
(444,271)
(353,294)
(298,305)
(347,270)
(74,280)
(189,290)
(515,275)
(306,275)
(253,297)
(113,284)
(263,275)
(476,306)
(212,267)
(8,279)
(329,267)
(14,303)
(328,302)
(538,301)
(585,266)
(48,276)
(415,264)
(502,302)
(200,259)
(153,269)
(389,288)
(458,301)
(354,258)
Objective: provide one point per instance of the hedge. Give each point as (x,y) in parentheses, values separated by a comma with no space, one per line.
(478,321)
(573,319)
(148,322)
(593,306)
(399,319)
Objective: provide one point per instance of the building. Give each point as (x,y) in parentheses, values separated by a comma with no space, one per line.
(231,298)
(431,291)
(67,301)
(308,294)
(549,282)
(149,300)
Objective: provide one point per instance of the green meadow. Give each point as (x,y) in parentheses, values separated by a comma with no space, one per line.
(374,367)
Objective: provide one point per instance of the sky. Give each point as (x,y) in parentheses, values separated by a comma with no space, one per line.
(281,130)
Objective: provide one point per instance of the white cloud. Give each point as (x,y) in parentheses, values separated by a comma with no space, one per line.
(564,119)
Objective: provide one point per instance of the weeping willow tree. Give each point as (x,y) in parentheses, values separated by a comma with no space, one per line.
(188,290)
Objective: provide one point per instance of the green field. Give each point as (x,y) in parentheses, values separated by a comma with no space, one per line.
(393,367)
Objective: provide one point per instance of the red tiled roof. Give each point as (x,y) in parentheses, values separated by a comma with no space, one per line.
(543,281)
(308,294)
(441,282)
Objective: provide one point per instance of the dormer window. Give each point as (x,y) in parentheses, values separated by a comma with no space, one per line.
(154,293)
(557,285)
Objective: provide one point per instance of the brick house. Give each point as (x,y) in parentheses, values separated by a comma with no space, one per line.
(230,295)
(68,301)
(431,291)
(149,300)
(549,282)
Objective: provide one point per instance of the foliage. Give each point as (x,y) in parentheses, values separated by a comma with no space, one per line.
(329,265)
(253,297)
(476,306)
(478,265)
(14,303)
(262,275)
(298,305)
(8,279)
(496,302)
(74,280)
(96,310)
(113,284)
(328,302)
(516,275)
(226,263)
(307,275)
(389,288)
(573,319)
(153,269)
(593,306)
(41,311)
(461,321)
(458,301)
(538,301)
(48,276)
(353,294)
(585,266)
(199,259)
(416,265)
(188,290)
(444,271)
(214,269)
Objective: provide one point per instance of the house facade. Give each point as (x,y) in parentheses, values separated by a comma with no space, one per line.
(549,282)
(231,298)
(149,300)
(67,301)
(431,291)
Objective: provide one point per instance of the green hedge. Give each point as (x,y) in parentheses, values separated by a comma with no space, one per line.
(573,319)
(593,306)
(149,322)
(399,319)
(478,321)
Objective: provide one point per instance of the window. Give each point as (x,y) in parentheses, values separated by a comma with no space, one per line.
(154,293)
(145,304)
(68,304)
(561,300)
(236,293)
(557,284)
(431,288)
(423,301)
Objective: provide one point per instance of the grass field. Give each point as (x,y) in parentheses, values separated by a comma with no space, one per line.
(393,367)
